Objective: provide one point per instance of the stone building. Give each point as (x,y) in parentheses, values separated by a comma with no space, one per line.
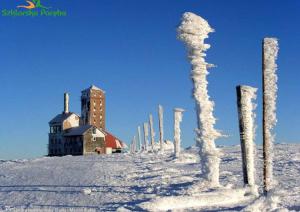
(93,107)
(71,134)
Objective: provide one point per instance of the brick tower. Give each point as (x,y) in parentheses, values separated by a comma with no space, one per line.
(93,107)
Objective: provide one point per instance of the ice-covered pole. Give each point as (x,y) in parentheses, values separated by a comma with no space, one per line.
(131,147)
(146,134)
(270,51)
(193,30)
(161,127)
(140,138)
(134,144)
(177,138)
(152,134)
(246,107)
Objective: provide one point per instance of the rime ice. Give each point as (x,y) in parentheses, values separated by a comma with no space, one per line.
(246,95)
(270,51)
(193,30)
(152,134)
(161,127)
(177,138)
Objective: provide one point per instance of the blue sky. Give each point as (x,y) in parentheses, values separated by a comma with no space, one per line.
(129,49)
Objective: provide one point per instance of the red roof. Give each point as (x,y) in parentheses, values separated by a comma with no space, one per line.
(113,142)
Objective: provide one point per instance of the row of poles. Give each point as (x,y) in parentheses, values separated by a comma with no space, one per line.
(137,145)
(245,97)
(193,30)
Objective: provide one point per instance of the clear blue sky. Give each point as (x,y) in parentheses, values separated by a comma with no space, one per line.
(129,49)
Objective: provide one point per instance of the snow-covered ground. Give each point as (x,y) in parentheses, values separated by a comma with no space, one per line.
(125,182)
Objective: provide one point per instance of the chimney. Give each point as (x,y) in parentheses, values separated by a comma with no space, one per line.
(66,103)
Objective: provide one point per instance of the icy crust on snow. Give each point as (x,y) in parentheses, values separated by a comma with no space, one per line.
(225,197)
(193,30)
(270,47)
(121,182)
(248,95)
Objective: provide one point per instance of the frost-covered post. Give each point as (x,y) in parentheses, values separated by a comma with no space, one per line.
(161,127)
(193,30)
(245,97)
(133,145)
(146,134)
(270,51)
(177,138)
(152,134)
(140,138)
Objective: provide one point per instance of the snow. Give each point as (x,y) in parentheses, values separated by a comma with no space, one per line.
(270,46)
(193,30)
(132,182)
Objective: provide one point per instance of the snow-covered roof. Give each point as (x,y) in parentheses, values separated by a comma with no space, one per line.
(61,117)
(81,130)
(93,87)
(78,130)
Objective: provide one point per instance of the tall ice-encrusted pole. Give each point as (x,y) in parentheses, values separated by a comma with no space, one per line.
(161,127)
(152,134)
(270,52)
(193,30)
(134,144)
(146,134)
(245,97)
(140,138)
(177,138)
